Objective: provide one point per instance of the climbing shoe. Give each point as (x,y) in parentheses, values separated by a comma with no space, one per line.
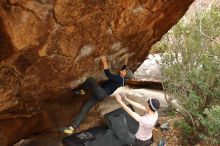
(79,92)
(67,130)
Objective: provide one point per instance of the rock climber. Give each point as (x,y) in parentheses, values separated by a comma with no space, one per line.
(99,92)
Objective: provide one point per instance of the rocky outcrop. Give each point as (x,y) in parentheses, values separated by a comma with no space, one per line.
(150,69)
(48,45)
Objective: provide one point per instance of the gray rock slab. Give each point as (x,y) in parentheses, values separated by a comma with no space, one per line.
(138,95)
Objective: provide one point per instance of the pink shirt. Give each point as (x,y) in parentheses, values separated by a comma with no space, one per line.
(146,124)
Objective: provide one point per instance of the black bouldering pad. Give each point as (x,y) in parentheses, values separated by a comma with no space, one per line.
(106,138)
(132,124)
(96,136)
(78,139)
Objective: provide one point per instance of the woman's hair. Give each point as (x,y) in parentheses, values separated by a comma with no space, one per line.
(154,104)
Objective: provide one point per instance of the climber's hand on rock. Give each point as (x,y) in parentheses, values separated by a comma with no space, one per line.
(104,62)
(103,59)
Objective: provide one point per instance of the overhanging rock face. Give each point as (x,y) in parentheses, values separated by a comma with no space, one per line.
(47,44)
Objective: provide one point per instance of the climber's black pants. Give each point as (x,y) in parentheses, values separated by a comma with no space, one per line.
(98,94)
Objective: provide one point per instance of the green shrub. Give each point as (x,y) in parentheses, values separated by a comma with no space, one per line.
(187,129)
(191,72)
(211,123)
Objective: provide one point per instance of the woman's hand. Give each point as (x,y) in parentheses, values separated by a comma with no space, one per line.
(125,97)
(118,97)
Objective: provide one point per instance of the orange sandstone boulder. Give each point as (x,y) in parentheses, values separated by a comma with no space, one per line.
(48,45)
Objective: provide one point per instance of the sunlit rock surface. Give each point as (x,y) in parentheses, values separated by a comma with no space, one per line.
(48,45)
(138,95)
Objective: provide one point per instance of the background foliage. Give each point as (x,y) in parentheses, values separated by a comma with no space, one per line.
(191,72)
